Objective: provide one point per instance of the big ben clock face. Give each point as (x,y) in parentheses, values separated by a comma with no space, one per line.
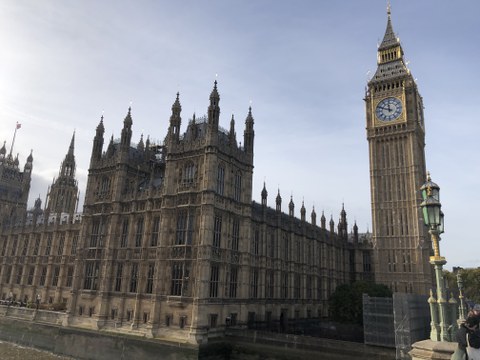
(389,109)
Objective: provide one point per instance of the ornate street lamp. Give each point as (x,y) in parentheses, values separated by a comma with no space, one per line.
(434,219)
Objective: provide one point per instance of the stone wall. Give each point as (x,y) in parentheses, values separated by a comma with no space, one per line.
(84,344)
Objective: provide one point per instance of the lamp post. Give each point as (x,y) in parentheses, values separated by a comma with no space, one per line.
(434,219)
(462,307)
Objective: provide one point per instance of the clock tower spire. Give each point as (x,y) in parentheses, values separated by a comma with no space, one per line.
(396,138)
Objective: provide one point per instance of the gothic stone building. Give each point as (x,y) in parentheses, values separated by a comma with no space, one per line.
(170,244)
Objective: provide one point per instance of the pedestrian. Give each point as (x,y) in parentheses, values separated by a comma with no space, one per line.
(468,338)
(37,300)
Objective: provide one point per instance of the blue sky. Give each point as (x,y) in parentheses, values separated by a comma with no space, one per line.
(303,66)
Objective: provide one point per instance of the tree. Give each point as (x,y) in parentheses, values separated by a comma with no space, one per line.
(346,303)
(471,283)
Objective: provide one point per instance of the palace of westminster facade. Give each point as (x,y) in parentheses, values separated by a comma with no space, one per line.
(171,245)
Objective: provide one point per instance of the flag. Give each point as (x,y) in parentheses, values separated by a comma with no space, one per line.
(19,125)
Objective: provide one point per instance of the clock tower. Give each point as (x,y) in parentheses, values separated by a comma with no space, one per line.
(396,138)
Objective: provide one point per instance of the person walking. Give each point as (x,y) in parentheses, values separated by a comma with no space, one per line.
(468,338)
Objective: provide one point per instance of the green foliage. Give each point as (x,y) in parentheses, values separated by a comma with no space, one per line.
(346,302)
(471,283)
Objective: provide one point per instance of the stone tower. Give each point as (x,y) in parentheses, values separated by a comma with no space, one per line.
(63,193)
(15,186)
(396,138)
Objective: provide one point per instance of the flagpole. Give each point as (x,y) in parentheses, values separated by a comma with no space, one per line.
(14,135)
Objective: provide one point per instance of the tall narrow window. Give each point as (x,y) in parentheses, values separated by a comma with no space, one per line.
(43,276)
(220,180)
(235,234)
(91,275)
(308,287)
(296,286)
(256,242)
(285,286)
(31,272)
(217,231)
(232,291)
(139,233)
(118,277)
(14,246)
(69,281)
(155,230)
(185,222)
(61,244)
(177,279)
(4,247)
(48,248)
(56,273)
(254,284)
(37,245)
(96,234)
(189,172)
(124,236)
(25,246)
(237,190)
(181,227)
(150,274)
(19,274)
(134,277)
(73,250)
(269,284)
(214,280)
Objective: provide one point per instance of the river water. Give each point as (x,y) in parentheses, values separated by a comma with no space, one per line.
(9,351)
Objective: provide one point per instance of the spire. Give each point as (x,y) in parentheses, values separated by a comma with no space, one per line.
(100,127)
(232,135)
(67,168)
(141,145)
(126,135)
(98,142)
(390,55)
(314,217)
(303,211)
(389,39)
(332,224)
(71,148)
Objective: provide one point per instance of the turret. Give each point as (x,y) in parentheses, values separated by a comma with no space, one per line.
(323,221)
(175,121)
(302,212)
(332,225)
(29,164)
(278,202)
(214,110)
(264,195)
(3,151)
(314,217)
(291,207)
